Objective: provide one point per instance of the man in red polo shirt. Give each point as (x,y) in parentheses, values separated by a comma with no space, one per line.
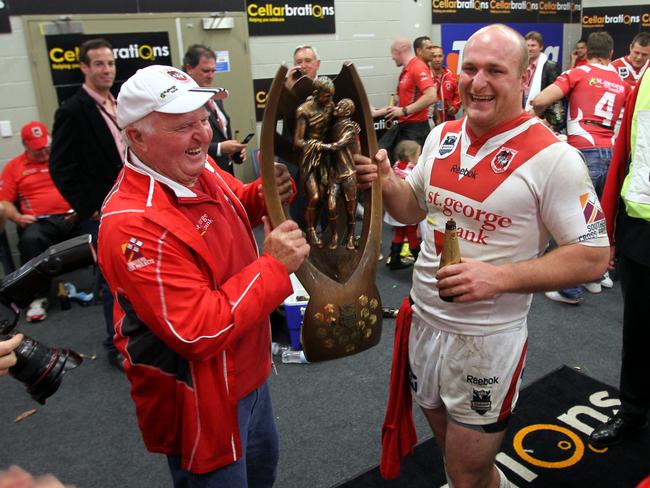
(30,199)
(415,93)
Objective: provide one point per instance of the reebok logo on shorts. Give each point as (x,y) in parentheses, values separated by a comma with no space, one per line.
(482,381)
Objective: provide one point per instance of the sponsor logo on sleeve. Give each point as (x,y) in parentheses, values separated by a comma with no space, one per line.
(132,251)
(594,217)
(448,145)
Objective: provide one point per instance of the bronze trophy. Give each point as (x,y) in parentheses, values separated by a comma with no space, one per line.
(324,123)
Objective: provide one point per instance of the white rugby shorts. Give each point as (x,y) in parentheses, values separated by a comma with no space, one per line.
(476,378)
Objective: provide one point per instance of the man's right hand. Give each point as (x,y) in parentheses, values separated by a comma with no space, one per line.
(286,243)
(231,146)
(292,77)
(24,220)
(369,170)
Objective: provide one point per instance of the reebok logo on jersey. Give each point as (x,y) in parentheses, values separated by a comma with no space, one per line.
(134,258)
(470,173)
(502,160)
(482,381)
(448,145)
(594,217)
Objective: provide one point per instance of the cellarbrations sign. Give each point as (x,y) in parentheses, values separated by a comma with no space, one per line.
(623,22)
(488,11)
(290,17)
(132,51)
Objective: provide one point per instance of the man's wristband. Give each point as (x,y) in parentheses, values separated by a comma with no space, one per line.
(405,111)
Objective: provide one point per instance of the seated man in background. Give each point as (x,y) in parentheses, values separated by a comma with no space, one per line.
(30,199)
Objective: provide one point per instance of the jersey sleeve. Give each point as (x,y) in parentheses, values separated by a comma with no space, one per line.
(567,80)
(419,177)
(569,207)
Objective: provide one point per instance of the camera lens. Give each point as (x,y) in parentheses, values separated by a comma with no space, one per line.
(41,368)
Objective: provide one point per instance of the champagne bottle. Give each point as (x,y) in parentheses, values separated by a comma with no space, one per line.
(391,100)
(450,249)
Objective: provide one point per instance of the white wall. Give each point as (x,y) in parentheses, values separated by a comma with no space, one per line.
(364,32)
(17,96)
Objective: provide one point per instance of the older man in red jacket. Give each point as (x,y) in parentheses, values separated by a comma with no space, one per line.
(192,294)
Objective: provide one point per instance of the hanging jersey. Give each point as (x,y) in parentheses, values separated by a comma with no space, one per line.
(509,191)
(627,72)
(596,96)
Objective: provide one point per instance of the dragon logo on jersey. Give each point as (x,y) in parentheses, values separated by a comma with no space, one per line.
(448,145)
(502,159)
(594,217)
(623,72)
(481,401)
(132,253)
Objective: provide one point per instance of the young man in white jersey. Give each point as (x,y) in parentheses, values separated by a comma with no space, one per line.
(596,95)
(631,67)
(510,185)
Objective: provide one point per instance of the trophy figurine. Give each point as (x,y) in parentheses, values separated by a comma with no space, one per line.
(323,123)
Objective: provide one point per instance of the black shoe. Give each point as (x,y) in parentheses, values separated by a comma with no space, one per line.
(615,430)
(116,359)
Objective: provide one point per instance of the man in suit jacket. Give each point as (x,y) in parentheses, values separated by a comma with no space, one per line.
(200,63)
(87,151)
(541,73)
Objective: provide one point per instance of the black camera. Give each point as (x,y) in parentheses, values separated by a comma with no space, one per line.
(39,367)
(297,74)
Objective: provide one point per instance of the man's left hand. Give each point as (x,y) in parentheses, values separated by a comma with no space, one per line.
(469,281)
(394,112)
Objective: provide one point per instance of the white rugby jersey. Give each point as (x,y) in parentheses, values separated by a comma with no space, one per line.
(509,191)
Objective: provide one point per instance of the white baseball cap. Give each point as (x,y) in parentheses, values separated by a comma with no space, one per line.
(158,88)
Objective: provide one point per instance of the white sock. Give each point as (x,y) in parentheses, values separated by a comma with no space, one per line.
(503,481)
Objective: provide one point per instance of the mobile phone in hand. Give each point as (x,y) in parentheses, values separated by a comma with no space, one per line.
(248,138)
(297,74)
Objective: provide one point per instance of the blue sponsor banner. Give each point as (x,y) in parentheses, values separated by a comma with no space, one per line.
(454,37)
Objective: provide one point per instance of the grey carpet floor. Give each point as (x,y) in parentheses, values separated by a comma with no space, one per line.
(329,415)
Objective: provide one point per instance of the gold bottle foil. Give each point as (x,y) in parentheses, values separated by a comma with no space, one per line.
(450,249)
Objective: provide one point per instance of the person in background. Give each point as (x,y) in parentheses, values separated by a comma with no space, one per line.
(510,185)
(200,63)
(596,96)
(408,153)
(29,198)
(305,63)
(541,72)
(193,294)
(415,94)
(628,227)
(579,54)
(632,66)
(446,83)
(87,151)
